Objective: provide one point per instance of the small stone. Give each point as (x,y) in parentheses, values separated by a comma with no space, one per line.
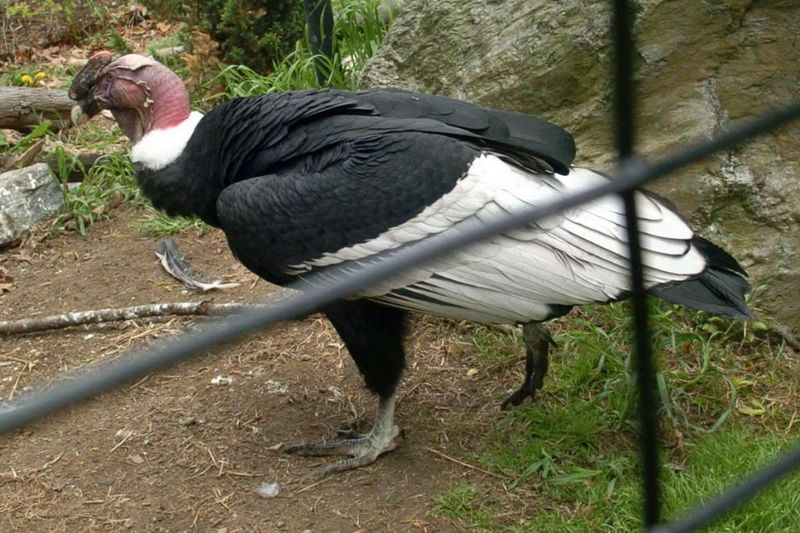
(268,490)
(221,380)
(276,387)
(124,433)
(58,485)
(186,421)
(136,459)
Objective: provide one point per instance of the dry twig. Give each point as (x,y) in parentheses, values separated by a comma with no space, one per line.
(462,463)
(204,308)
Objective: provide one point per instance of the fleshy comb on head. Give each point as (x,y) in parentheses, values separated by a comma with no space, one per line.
(88,74)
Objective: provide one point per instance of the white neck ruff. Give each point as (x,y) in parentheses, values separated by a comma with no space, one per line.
(159,148)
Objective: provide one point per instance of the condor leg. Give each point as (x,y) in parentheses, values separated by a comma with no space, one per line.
(373,335)
(537,346)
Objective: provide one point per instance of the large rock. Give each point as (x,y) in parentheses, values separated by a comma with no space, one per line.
(27,196)
(699,67)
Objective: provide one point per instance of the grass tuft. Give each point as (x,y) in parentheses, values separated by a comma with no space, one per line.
(359,28)
(571,460)
(110,180)
(462,503)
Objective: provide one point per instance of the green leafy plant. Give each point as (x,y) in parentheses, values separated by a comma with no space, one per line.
(39,132)
(110,180)
(359,28)
(118,44)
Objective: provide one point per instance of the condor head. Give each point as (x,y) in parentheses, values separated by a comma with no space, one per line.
(140,92)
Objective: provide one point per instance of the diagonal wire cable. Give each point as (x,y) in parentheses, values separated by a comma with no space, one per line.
(632,173)
(625,98)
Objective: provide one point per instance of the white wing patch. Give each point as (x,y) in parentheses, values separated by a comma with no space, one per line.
(159,148)
(577,257)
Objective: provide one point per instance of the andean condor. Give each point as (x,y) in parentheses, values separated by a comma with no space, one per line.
(303,180)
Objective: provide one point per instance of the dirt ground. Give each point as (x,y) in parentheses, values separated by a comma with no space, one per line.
(175,451)
(186,448)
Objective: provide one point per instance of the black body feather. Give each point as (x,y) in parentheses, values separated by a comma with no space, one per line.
(293,176)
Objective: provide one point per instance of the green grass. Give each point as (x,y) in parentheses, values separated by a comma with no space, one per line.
(570,460)
(463,503)
(158,224)
(610,501)
(111,179)
(359,31)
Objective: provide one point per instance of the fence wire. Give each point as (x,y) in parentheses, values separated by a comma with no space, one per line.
(624,98)
(318,290)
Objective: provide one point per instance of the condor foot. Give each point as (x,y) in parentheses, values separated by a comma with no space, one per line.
(363,449)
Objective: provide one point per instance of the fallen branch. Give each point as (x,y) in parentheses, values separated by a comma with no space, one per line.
(23,108)
(204,308)
(462,463)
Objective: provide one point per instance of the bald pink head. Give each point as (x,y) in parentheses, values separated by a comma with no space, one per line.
(140,92)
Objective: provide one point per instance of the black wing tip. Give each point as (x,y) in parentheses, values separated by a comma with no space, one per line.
(717,257)
(720,289)
(709,293)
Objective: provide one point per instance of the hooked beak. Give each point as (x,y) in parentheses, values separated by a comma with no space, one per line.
(77,116)
(82,88)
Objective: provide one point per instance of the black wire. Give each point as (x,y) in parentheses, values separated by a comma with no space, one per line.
(623,84)
(319,17)
(741,492)
(632,173)
(645,367)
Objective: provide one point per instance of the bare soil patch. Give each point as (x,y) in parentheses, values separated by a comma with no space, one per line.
(180,449)
(175,451)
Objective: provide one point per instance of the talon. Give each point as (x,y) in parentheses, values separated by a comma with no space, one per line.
(363,449)
(518,396)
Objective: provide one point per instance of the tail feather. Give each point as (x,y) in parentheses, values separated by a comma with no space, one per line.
(720,289)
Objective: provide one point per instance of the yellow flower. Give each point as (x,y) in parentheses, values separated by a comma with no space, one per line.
(40,75)
(26,80)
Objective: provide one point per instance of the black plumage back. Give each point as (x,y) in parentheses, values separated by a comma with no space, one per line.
(720,289)
(528,138)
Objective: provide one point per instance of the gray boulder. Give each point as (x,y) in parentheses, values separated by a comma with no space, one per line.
(28,196)
(699,67)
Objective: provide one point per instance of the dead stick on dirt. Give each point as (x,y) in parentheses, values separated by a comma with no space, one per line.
(462,463)
(205,308)
(48,464)
(309,487)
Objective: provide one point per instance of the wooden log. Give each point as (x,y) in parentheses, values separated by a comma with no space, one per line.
(22,108)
